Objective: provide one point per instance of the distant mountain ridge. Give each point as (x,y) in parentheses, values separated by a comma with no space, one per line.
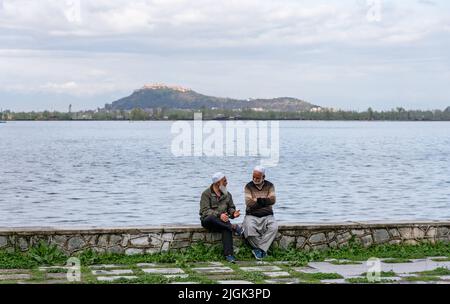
(176,97)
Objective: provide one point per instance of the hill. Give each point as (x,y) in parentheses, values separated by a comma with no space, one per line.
(174,97)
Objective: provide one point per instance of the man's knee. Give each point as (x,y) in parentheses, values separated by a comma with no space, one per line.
(208,221)
(273,227)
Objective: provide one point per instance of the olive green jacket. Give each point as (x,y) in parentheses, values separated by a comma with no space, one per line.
(210,204)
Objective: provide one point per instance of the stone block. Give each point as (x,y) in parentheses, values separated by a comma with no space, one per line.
(344,237)
(317,238)
(300,242)
(286,241)
(367,240)
(133,251)
(140,241)
(115,240)
(182,236)
(381,236)
(3,241)
(406,233)
(418,233)
(198,236)
(394,233)
(75,243)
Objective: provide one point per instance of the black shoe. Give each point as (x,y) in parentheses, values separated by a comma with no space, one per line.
(230,259)
(239,231)
(257,253)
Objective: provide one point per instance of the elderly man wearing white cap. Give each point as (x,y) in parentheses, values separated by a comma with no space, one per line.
(216,210)
(260,227)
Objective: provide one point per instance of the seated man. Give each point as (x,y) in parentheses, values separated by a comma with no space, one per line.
(216,210)
(260,227)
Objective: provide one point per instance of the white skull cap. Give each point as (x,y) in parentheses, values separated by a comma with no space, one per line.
(217,177)
(260,169)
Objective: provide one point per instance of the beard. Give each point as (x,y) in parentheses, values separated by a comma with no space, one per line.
(223,189)
(261,181)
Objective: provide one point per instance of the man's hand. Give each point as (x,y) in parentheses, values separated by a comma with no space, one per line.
(224,217)
(237,213)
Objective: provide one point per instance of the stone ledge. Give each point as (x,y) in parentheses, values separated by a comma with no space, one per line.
(139,240)
(198,228)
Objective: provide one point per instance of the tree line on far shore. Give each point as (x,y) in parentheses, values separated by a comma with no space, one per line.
(137,114)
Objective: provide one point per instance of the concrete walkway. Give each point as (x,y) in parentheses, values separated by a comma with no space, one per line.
(433,270)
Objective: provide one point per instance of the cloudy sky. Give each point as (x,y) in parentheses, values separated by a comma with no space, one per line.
(348,54)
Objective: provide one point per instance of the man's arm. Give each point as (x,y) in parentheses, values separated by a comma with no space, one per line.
(250,201)
(231,207)
(271,195)
(205,209)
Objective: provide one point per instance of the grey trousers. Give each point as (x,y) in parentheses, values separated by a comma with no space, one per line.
(260,231)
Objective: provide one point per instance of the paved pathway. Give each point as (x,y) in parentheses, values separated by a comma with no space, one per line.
(433,270)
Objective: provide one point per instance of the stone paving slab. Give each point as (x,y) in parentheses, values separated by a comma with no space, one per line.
(276,274)
(45,268)
(112,272)
(163,270)
(234,282)
(406,275)
(305,269)
(261,268)
(106,266)
(115,278)
(254,263)
(57,276)
(54,282)
(217,271)
(147,265)
(213,269)
(15,276)
(334,281)
(176,276)
(8,271)
(283,281)
(352,270)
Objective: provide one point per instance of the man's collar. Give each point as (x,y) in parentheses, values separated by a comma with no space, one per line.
(259,187)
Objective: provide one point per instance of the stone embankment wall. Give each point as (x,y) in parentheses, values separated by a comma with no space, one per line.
(139,240)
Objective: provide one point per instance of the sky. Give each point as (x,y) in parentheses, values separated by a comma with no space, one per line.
(347,54)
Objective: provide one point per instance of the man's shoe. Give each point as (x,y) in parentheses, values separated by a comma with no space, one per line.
(239,231)
(257,253)
(230,259)
(263,254)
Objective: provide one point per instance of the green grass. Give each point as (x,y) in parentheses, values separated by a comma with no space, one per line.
(44,255)
(396,261)
(366,281)
(318,276)
(385,274)
(338,262)
(441,260)
(441,271)
(421,279)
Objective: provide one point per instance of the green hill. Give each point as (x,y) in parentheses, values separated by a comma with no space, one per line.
(162,96)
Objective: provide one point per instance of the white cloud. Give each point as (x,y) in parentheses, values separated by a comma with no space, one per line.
(226,48)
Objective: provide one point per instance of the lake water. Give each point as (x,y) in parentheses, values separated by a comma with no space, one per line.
(122,173)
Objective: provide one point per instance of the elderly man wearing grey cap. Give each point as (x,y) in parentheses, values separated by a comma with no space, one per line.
(260,227)
(216,210)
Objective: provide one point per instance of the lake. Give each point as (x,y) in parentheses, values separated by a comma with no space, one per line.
(124,173)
